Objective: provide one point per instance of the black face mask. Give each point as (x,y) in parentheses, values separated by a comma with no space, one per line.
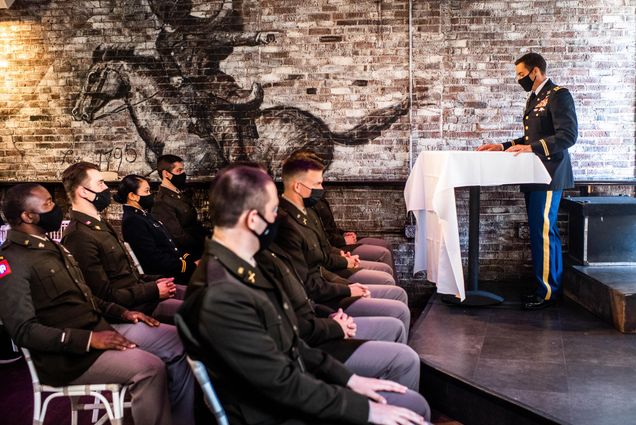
(315,196)
(102,199)
(51,221)
(178,180)
(526,82)
(146,202)
(268,235)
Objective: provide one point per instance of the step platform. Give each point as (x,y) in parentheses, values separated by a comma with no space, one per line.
(502,365)
(607,291)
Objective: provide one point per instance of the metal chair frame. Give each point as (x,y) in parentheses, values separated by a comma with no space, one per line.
(43,394)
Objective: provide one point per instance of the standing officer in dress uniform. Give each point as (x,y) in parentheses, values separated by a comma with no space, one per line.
(550,128)
(174,208)
(75,337)
(237,320)
(102,256)
(148,238)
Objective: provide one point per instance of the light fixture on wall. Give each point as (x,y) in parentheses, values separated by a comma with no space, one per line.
(5,4)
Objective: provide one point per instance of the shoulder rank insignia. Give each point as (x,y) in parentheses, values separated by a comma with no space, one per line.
(40,245)
(240,271)
(557,88)
(5,269)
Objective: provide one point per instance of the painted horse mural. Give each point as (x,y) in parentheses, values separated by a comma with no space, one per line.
(121,81)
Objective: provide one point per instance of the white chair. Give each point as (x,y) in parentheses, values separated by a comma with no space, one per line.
(134,258)
(43,394)
(56,236)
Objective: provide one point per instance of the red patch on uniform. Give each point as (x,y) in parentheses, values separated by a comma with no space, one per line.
(5,270)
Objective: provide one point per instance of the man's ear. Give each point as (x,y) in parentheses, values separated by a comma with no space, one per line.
(245,218)
(80,192)
(27,217)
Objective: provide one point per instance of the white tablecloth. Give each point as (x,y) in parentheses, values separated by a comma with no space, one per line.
(430,195)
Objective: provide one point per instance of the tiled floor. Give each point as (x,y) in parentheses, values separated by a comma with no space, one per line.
(562,362)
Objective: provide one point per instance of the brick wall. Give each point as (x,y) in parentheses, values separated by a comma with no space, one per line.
(339,61)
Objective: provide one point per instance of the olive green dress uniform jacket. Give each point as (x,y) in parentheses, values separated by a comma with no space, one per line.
(106,266)
(302,243)
(47,307)
(333,232)
(178,215)
(323,333)
(248,336)
(550,128)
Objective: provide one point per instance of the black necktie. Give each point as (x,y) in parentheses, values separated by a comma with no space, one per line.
(531,99)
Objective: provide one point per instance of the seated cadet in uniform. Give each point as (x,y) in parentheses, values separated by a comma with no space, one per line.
(377,328)
(370,249)
(302,179)
(248,336)
(147,236)
(102,256)
(303,239)
(174,208)
(75,337)
(336,334)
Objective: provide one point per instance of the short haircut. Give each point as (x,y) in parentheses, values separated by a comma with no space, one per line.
(532,60)
(307,153)
(15,200)
(166,163)
(75,175)
(237,190)
(295,165)
(129,184)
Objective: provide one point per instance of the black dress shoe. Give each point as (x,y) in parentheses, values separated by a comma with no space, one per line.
(538,303)
(528,298)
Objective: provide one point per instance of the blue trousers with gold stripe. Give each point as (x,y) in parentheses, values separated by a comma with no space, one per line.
(545,242)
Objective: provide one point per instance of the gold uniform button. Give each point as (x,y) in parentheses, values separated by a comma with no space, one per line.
(527,138)
(285,306)
(526,127)
(526,117)
(295,328)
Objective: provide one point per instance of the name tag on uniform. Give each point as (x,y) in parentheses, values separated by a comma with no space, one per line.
(5,270)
